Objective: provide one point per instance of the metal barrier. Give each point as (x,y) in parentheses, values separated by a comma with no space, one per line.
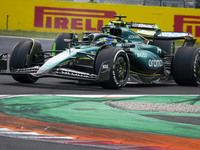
(162,3)
(132,2)
(165,3)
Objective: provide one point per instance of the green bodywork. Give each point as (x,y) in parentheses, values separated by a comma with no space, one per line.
(147,56)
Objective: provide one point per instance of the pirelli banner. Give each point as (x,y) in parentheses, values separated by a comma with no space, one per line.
(62,16)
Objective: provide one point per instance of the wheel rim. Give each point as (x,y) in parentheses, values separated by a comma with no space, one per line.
(120,69)
(198,67)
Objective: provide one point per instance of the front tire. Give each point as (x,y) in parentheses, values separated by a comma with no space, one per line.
(120,67)
(186,66)
(24,55)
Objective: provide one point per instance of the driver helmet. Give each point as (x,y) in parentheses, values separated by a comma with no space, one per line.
(108,41)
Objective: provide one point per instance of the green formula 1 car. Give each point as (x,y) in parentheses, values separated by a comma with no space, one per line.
(112,58)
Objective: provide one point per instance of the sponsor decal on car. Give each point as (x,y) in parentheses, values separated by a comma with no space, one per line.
(105,66)
(143,25)
(70,18)
(163,34)
(155,63)
(131,37)
(173,34)
(144,55)
(146,32)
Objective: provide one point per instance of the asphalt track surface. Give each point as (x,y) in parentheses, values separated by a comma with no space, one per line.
(10,143)
(61,86)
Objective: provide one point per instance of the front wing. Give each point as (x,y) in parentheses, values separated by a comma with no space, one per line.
(103,75)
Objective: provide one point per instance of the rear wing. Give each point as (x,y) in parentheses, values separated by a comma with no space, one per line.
(165,35)
(121,23)
(142,26)
(131,25)
(160,35)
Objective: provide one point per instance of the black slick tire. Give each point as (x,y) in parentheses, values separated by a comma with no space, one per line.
(59,43)
(120,67)
(185,69)
(24,55)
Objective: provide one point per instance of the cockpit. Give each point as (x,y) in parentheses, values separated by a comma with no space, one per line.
(128,35)
(106,40)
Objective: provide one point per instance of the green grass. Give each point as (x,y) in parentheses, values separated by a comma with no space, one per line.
(31,34)
(52,35)
(180,43)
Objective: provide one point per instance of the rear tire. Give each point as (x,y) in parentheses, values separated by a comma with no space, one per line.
(59,43)
(120,67)
(24,55)
(186,66)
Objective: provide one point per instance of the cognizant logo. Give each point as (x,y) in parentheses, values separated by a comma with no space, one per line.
(71,18)
(189,24)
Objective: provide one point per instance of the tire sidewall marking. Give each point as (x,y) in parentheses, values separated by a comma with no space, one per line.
(195,68)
